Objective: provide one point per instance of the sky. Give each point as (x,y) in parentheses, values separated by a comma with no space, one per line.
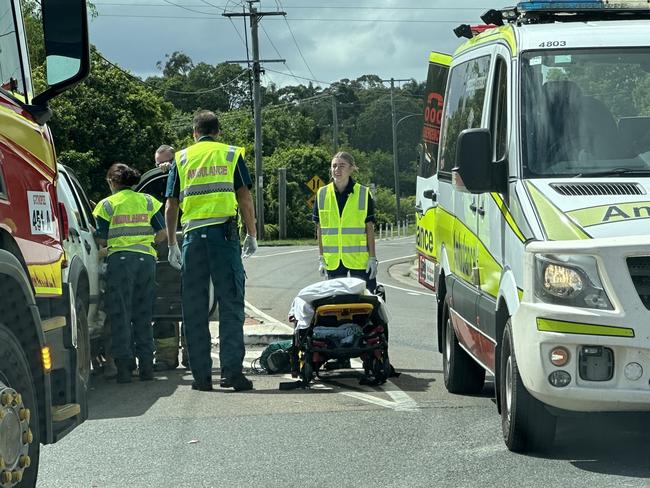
(321,40)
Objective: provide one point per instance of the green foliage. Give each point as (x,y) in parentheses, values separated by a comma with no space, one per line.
(109,118)
(302,163)
(114,116)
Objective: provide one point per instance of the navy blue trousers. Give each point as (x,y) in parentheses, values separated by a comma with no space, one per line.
(130,292)
(208,255)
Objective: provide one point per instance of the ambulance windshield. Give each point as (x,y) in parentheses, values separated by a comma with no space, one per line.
(585,111)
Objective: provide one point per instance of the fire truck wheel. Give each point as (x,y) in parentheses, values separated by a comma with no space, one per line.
(19,428)
(461,373)
(526,423)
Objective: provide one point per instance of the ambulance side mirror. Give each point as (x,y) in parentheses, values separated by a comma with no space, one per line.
(475,172)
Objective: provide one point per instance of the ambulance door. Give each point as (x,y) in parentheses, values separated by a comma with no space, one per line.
(491,224)
(426,195)
(465,107)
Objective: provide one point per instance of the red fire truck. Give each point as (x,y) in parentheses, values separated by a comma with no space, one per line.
(41,395)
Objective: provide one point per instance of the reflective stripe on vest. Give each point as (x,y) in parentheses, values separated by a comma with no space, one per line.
(129,216)
(343,236)
(206,172)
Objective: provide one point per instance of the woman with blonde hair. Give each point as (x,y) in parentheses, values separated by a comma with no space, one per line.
(345,225)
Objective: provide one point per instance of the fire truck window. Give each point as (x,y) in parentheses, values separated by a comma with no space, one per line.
(464,106)
(11,77)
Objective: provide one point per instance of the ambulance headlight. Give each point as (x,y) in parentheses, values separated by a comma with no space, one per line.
(571,280)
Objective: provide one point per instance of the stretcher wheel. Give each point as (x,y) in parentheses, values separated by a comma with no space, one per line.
(307,370)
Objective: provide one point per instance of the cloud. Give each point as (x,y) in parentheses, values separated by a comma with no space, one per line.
(336,45)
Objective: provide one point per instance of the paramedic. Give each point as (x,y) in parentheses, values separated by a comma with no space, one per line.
(166,332)
(208,181)
(344,216)
(129,223)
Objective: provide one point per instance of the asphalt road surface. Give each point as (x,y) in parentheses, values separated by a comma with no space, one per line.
(407,433)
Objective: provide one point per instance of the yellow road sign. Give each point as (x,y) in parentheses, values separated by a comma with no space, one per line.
(311,201)
(315,183)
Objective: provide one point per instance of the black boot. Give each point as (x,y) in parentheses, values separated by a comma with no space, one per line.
(146,370)
(124,368)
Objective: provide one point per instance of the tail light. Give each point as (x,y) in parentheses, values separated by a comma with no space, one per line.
(63,222)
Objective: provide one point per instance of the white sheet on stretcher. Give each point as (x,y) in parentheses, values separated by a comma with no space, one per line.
(302,312)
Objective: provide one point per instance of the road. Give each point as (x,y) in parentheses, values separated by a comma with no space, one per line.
(407,433)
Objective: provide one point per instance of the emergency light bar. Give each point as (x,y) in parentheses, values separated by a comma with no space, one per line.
(584,5)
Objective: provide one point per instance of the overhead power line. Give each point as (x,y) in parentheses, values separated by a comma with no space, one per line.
(184,7)
(293,7)
(210,90)
(215,17)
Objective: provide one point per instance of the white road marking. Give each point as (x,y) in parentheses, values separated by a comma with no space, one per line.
(311,249)
(411,292)
(410,256)
(400,400)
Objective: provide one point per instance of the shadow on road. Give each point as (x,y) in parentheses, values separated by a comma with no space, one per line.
(108,399)
(614,444)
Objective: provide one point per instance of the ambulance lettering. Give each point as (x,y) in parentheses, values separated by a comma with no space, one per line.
(424,239)
(615,213)
(465,255)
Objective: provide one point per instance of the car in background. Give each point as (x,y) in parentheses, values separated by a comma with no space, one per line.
(168,303)
(83,267)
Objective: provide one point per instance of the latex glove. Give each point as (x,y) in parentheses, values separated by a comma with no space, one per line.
(174,257)
(371,268)
(322,267)
(249,247)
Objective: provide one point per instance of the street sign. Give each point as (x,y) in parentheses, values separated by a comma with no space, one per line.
(315,183)
(311,201)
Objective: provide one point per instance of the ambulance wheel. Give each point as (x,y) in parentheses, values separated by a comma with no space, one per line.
(461,373)
(526,423)
(19,430)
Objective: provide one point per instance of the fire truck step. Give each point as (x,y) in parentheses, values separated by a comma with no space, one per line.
(64,412)
(53,323)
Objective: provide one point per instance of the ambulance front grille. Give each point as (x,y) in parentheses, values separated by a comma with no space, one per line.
(640,273)
(597,189)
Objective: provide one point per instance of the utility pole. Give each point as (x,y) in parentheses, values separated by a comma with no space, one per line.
(282,203)
(395,162)
(255,18)
(335,126)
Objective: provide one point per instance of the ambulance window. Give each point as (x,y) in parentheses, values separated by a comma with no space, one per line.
(499,112)
(464,106)
(11,77)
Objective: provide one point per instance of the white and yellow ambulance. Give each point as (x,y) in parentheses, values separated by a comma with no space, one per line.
(534,211)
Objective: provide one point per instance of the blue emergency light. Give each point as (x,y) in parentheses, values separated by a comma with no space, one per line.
(584,5)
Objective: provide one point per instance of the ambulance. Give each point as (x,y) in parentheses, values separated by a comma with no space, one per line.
(533,211)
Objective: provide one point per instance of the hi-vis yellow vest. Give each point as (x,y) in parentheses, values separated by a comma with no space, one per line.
(129,216)
(343,236)
(207,183)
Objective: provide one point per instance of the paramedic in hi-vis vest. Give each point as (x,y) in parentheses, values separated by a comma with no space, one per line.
(209,181)
(129,223)
(344,216)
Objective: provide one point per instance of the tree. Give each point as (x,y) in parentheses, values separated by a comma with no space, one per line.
(110,117)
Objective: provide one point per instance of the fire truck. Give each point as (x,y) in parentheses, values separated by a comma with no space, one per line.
(42,397)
